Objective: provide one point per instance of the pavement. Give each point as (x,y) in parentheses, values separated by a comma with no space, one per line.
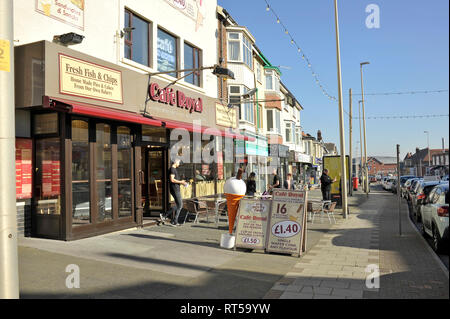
(188,262)
(364,257)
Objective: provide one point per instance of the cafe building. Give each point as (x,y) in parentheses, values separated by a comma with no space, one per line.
(94,142)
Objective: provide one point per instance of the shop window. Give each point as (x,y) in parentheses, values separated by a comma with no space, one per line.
(103,171)
(137,41)
(80,173)
(192,59)
(48,176)
(124,170)
(46,123)
(167,52)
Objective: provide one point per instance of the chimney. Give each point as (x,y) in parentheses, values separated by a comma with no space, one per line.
(417,150)
(319,135)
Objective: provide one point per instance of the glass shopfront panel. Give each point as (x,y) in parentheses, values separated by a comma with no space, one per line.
(48,177)
(80,173)
(124,171)
(103,171)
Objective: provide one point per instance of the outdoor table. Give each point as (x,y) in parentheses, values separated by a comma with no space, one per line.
(218,200)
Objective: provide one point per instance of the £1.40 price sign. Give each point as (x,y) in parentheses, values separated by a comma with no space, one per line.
(286,229)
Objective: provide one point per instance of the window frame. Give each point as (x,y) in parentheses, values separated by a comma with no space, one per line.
(177,51)
(129,42)
(195,74)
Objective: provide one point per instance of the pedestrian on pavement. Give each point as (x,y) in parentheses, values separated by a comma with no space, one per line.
(289,183)
(251,184)
(174,188)
(326,182)
(276,181)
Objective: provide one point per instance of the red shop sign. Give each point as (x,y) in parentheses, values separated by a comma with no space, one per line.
(172,97)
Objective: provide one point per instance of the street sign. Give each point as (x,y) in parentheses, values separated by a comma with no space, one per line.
(251,224)
(286,232)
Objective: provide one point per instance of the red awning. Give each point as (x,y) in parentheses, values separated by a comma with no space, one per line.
(103,112)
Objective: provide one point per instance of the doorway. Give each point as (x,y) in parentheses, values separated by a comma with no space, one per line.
(154,185)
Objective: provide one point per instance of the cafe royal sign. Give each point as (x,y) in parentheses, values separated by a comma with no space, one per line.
(170,96)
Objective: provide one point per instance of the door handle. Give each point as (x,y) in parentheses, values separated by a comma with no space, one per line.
(141,177)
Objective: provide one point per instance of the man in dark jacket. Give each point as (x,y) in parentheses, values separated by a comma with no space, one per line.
(326,182)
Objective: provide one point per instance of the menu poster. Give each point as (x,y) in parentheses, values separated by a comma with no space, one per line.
(220,165)
(23,168)
(251,225)
(51,178)
(286,229)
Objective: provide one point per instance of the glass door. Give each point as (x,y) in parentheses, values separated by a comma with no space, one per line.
(155,181)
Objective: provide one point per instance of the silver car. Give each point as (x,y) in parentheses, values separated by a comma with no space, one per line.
(435,216)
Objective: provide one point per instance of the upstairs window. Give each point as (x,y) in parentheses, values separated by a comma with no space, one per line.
(272,81)
(137,41)
(167,52)
(192,60)
(240,48)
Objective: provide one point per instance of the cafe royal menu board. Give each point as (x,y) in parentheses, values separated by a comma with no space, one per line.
(276,225)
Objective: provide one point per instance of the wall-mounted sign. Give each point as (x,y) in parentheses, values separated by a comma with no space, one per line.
(5,60)
(252,222)
(67,11)
(225,116)
(286,230)
(194,9)
(89,80)
(23,168)
(172,97)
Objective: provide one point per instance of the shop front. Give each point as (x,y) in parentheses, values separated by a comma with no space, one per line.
(88,161)
(279,159)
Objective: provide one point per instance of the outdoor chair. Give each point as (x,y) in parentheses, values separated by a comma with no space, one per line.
(198,208)
(327,208)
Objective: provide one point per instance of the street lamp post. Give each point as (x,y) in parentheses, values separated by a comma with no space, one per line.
(428,145)
(9,270)
(364,124)
(361,161)
(341,116)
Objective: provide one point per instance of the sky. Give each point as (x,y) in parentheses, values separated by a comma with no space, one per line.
(408,52)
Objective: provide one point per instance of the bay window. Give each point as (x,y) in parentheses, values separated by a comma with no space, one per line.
(273,121)
(246,109)
(240,48)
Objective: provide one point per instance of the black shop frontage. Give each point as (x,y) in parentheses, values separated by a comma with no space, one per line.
(89,160)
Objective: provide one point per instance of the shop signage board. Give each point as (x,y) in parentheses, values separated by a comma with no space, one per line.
(23,168)
(252,223)
(70,12)
(286,231)
(89,80)
(225,116)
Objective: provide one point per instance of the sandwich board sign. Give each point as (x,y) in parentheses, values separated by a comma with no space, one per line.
(286,231)
(251,224)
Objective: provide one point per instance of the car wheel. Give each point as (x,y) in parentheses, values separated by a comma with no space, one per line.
(437,242)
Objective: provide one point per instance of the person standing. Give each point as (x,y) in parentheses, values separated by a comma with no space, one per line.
(276,180)
(325,187)
(174,188)
(289,183)
(251,184)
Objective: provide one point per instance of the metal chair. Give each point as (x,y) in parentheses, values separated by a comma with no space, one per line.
(326,204)
(328,209)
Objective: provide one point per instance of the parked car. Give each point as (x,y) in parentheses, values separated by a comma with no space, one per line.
(411,188)
(422,192)
(372,179)
(406,184)
(383,182)
(389,183)
(435,216)
(394,186)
